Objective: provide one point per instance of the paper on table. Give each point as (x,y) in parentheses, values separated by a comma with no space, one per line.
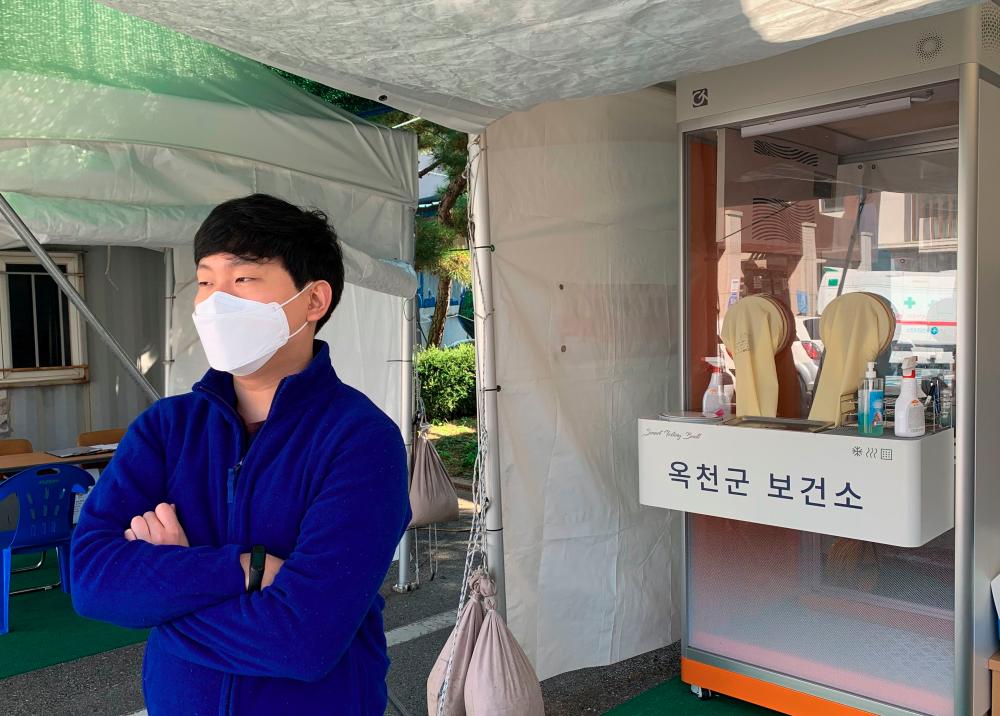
(88,450)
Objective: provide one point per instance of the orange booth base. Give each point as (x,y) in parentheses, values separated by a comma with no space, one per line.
(762,693)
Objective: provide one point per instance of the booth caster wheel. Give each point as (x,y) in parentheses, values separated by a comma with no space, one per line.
(703,694)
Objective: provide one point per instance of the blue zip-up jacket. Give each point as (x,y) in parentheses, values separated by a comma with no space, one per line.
(323,486)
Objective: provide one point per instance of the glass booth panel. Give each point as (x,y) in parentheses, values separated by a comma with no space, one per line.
(804,217)
(892,223)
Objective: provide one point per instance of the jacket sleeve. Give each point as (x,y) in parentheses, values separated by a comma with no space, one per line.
(137,584)
(301,625)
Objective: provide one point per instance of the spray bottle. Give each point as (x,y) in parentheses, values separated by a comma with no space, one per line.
(909,408)
(871,403)
(715,403)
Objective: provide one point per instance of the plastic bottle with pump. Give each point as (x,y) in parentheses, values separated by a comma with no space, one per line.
(871,403)
(909,408)
(715,403)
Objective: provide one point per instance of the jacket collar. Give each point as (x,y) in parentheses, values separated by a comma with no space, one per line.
(315,380)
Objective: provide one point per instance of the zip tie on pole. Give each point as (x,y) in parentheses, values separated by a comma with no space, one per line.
(491,247)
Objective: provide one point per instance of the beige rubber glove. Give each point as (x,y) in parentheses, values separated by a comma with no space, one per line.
(855,329)
(753,330)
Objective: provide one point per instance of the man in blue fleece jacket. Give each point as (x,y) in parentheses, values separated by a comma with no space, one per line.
(251,522)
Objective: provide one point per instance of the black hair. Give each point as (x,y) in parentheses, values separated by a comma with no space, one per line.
(261,227)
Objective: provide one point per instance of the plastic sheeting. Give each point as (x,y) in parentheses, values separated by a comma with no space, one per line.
(363,333)
(465,64)
(583,214)
(117,131)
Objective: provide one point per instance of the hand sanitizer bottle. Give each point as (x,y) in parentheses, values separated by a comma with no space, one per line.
(909,409)
(715,403)
(871,403)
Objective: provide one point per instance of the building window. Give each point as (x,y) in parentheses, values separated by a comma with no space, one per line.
(834,206)
(41,335)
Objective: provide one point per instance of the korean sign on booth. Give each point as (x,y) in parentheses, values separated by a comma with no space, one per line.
(886,490)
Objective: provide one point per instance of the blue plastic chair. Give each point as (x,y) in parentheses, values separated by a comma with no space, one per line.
(43,498)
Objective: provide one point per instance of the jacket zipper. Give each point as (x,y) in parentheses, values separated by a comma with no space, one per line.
(232,475)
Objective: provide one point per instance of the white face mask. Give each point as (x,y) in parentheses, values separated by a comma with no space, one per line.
(240,335)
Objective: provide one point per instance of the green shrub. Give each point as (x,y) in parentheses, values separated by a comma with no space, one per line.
(448,381)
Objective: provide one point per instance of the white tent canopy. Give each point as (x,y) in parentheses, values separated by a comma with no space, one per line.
(465,64)
(118,132)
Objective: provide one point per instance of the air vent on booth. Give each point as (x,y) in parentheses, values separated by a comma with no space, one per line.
(989,27)
(780,151)
(929,46)
(778,221)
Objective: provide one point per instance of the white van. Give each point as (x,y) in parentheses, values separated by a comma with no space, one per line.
(925,304)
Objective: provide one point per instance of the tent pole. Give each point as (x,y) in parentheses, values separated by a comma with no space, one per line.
(168,317)
(486,364)
(404,581)
(8,213)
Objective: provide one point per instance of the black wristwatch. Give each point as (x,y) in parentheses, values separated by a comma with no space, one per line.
(258,555)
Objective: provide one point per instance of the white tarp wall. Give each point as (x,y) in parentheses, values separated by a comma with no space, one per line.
(363,333)
(583,214)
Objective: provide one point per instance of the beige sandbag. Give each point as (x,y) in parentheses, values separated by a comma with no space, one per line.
(501,680)
(458,649)
(432,496)
(754,330)
(855,329)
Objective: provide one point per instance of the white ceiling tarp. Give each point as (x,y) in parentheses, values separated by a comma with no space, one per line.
(117,131)
(466,63)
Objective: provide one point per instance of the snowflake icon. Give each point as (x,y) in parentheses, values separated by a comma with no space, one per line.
(857,452)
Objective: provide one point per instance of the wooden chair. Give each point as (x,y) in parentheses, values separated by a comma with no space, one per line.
(15,446)
(100,437)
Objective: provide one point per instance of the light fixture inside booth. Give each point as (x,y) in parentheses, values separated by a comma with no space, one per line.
(827,117)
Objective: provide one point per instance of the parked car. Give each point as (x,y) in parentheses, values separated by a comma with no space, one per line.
(807,351)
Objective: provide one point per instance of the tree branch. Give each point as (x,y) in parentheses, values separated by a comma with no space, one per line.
(427,170)
(455,188)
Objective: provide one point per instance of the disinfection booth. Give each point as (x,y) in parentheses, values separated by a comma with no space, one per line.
(840,206)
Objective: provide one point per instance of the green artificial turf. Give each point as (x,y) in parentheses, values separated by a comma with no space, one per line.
(44,629)
(674,698)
